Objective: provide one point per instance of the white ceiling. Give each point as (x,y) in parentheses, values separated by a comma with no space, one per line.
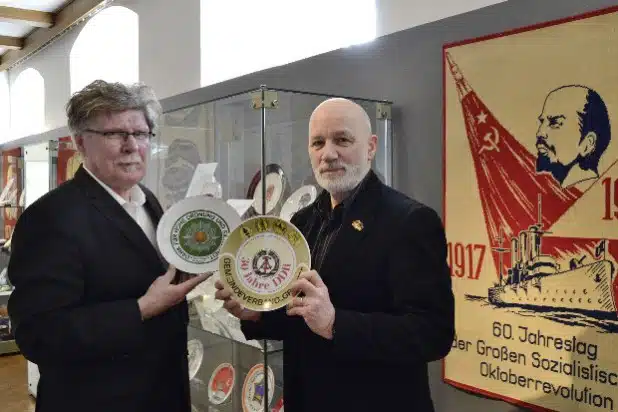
(14,29)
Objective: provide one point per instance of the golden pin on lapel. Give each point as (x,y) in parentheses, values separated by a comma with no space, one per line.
(358,225)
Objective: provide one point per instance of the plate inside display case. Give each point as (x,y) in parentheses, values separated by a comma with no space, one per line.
(302,197)
(254,388)
(221,383)
(260,259)
(192,231)
(276,188)
(195,348)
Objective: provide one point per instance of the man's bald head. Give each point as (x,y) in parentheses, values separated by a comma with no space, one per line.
(341,145)
(345,111)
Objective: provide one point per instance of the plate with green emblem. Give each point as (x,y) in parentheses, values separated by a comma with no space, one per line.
(260,259)
(192,231)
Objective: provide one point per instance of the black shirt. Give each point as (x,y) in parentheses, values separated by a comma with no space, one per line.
(325,227)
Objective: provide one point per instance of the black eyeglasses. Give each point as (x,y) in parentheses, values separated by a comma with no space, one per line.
(120,135)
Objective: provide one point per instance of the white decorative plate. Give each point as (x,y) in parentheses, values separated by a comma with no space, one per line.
(196,356)
(302,197)
(276,189)
(192,231)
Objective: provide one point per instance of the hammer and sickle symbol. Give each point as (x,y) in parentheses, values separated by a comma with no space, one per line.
(492,140)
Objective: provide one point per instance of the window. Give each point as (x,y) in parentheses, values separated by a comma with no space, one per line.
(27,104)
(240,37)
(107,48)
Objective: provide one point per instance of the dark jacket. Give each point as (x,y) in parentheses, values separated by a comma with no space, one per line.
(391,289)
(79,263)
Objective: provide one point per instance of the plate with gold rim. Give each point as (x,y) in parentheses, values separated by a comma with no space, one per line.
(191,232)
(260,259)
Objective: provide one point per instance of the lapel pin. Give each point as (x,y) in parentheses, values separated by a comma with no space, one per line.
(358,225)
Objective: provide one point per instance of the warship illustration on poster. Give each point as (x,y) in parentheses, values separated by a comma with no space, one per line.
(537,281)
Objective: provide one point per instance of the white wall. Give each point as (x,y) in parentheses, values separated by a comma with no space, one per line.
(396,15)
(169,44)
(169,38)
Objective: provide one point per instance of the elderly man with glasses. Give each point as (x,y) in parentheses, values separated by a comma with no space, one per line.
(94,305)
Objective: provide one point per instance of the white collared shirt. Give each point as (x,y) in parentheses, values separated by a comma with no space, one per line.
(134,207)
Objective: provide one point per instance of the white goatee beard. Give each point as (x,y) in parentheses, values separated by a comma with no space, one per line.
(352,177)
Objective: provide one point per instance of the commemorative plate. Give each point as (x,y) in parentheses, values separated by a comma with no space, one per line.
(192,231)
(195,348)
(254,388)
(221,383)
(276,185)
(260,259)
(302,197)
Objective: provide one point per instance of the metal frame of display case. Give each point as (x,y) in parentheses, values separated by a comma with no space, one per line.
(203,112)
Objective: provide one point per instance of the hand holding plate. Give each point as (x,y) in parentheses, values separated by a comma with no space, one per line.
(163,293)
(232,305)
(313,304)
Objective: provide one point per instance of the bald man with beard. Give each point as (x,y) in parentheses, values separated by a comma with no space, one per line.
(377,305)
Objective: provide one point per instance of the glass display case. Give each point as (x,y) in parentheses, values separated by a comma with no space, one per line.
(259,142)
(11,204)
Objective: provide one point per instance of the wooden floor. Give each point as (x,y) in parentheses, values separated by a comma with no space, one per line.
(14,396)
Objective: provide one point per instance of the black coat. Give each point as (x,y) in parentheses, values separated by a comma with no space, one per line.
(79,263)
(391,289)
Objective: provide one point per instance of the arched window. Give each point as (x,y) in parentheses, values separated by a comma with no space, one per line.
(107,48)
(27,104)
(239,37)
(5,107)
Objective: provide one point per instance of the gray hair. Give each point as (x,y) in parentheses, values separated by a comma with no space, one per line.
(101,97)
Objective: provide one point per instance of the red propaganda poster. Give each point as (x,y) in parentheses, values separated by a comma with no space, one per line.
(69,160)
(531,213)
(11,188)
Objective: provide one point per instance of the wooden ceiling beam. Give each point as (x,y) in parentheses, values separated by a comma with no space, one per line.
(11,43)
(70,15)
(32,18)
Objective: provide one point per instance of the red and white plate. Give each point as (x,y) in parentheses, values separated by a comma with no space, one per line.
(221,383)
